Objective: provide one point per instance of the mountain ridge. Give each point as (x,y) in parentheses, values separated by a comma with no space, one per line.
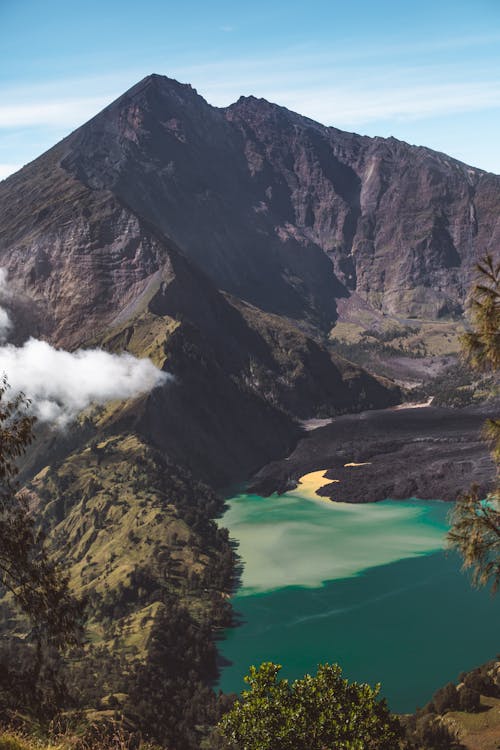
(217,243)
(267,201)
(239,213)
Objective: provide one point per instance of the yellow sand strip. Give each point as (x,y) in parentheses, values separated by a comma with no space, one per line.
(310,483)
(366,463)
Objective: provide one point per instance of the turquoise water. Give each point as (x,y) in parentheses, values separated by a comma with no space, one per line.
(367,586)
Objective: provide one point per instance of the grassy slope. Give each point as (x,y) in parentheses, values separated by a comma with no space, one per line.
(478,731)
(423,356)
(134,533)
(108,516)
(428,337)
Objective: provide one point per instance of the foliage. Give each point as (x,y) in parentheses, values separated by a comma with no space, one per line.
(475,522)
(12,741)
(169,699)
(324,712)
(429,732)
(38,585)
(457,386)
(483,680)
(469,699)
(136,533)
(362,351)
(475,532)
(446,699)
(482,344)
(476,693)
(109,735)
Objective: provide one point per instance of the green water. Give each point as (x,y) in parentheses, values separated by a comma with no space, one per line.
(367,586)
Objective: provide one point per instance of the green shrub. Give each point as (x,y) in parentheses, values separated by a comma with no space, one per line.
(469,699)
(446,699)
(11,741)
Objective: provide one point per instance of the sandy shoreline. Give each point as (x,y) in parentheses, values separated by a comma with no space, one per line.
(309,484)
(428,452)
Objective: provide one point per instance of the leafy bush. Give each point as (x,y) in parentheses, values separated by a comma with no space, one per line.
(446,699)
(313,713)
(469,699)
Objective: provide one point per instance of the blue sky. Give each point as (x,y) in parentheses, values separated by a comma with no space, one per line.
(425,72)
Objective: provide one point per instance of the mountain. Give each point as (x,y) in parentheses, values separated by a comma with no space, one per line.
(253,193)
(143,225)
(276,209)
(221,244)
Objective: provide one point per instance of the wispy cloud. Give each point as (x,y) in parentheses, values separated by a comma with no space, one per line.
(350,82)
(61,384)
(364,99)
(70,112)
(321,63)
(5,295)
(360,105)
(358,87)
(7,169)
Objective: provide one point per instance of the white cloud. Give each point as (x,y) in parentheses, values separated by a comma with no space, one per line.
(69,112)
(5,324)
(7,169)
(347,85)
(61,383)
(371,88)
(359,105)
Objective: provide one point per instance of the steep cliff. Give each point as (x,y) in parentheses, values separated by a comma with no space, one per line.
(276,209)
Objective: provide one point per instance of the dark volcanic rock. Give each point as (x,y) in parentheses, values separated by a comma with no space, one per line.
(244,225)
(276,209)
(402,225)
(181,164)
(429,453)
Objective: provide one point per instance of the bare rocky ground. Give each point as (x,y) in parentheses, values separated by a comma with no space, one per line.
(427,452)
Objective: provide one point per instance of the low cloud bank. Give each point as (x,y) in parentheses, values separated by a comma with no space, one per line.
(61,383)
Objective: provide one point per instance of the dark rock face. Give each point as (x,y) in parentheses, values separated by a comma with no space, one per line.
(253,194)
(402,225)
(275,208)
(246,225)
(430,453)
(85,265)
(179,163)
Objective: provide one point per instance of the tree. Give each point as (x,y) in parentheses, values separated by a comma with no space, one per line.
(469,699)
(324,712)
(36,583)
(475,521)
(482,343)
(446,699)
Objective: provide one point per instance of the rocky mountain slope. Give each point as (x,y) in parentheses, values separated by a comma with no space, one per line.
(118,492)
(426,452)
(220,243)
(223,220)
(140,226)
(275,208)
